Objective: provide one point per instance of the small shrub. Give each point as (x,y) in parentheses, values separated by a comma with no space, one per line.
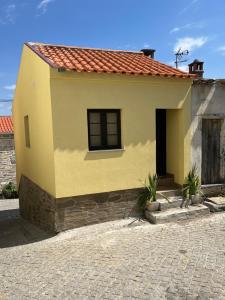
(192,183)
(9,191)
(149,193)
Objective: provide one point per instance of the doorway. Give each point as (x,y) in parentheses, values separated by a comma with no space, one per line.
(161,142)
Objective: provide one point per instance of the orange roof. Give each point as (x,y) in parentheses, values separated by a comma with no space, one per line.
(103,61)
(6,124)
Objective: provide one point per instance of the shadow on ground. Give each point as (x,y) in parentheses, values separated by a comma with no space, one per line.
(15,231)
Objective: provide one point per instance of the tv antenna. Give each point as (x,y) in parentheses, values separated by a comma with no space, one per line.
(5,100)
(179,57)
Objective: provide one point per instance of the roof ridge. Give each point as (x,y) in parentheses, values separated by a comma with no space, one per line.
(85,48)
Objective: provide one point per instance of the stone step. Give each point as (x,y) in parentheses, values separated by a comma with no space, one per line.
(215,204)
(177,214)
(172,202)
(214,207)
(168,193)
(166,180)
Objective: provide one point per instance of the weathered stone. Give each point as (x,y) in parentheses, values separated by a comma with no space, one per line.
(36,205)
(207,103)
(217,200)
(176,214)
(114,198)
(6,142)
(7,160)
(61,214)
(213,190)
(169,193)
(214,207)
(172,202)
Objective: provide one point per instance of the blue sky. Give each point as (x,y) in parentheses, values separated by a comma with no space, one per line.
(166,25)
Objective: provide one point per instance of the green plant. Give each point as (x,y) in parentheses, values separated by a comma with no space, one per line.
(9,191)
(149,193)
(192,183)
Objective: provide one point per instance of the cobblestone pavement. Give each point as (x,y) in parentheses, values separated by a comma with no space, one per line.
(114,260)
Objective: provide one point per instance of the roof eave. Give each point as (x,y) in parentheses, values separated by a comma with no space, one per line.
(7,133)
(183,76)
(41,56)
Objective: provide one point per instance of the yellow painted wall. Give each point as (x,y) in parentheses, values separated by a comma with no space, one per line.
(174,143)
(57,103)
(78,171)
(32,98)
(178,126)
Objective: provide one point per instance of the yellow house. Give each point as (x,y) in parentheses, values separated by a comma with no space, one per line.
(90,125)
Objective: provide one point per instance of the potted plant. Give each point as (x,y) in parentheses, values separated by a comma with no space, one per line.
(9,191)
(191,190)
(148,196)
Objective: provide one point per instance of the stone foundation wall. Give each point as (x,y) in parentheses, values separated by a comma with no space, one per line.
(61,214)
(96,208)
(212,190)
(36,205)
(7,160)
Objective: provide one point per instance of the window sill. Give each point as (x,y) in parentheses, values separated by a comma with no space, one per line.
(106,150)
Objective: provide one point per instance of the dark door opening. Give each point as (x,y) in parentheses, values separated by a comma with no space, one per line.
(161,142)
(211,129)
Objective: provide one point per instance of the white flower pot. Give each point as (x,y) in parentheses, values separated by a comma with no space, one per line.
(152,206)
(195,199)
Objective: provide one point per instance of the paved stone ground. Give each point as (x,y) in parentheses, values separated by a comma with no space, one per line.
(113,260)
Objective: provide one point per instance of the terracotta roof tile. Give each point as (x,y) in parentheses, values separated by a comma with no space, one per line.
(6,124)
(103,61)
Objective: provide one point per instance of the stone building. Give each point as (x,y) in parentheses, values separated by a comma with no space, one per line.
(7,153)
(208,126)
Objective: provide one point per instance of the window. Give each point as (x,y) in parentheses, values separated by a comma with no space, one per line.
(104,129)
(27,131)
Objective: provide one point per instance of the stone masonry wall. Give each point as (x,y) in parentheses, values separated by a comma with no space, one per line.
(36,205)
(57,215)
(207,103)
(85,210)
(7,160)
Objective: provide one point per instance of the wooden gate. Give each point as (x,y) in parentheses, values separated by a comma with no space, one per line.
(211,129)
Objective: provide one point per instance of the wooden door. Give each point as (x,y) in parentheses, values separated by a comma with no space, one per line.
(211,129)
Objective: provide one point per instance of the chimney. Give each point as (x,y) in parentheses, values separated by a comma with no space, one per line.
(196,67)
(149,52)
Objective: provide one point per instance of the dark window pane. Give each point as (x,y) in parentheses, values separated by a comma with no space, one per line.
(95,140)
(111,117)
(95,129)
(94,117)
(112,140)
(112,128)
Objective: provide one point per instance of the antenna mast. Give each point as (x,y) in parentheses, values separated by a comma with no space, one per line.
(179,57)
